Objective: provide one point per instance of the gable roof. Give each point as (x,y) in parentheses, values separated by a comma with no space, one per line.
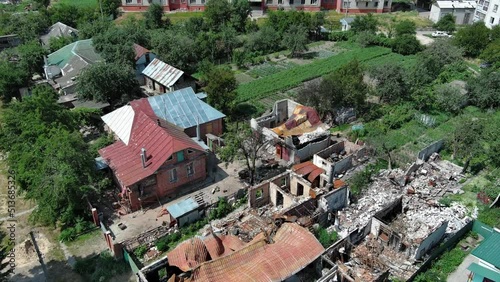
(163,73)
(183,108)
(57,30)
(139,51)
(489,250)
(82,49)
(160,142)
(120,121)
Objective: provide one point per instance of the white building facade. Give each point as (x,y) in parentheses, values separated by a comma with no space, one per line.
(488,11)
(463,11)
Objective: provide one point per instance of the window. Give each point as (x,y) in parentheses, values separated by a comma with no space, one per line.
(386,3)
(202,1)
(192,1)
(280,2)
(269,2)
(180,156)
(128,1)
(375,4)
(170,158)
(302,2)
(366,4)
(492,20)
(291,2)
(190,169)
(495,8)
(314,2)
(190,151)
(258,194)
(173,175)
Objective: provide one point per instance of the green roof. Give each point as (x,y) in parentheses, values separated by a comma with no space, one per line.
(81,48)
(489,250)
(484,272)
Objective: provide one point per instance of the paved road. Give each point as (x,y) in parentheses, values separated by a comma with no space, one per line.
(424,39)
(461,273)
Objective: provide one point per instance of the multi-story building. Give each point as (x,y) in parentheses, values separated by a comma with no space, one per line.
(260,6)
(488,12)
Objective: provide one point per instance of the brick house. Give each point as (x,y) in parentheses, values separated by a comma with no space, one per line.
(157,160)
(259,7)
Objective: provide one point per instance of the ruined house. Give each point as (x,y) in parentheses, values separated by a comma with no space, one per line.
(296,131)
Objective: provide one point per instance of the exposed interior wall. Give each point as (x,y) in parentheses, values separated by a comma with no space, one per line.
(297,182)
(432,240)
(282,110)
(310,149)
(335,200)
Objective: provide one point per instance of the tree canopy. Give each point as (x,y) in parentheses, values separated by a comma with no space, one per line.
(473,39)
(108,82)
(295,40)
(392,82)
(220,88)
(364,23)
(446,23)
(153,16)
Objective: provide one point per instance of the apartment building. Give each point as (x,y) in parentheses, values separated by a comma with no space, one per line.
(260,6)
(488,12)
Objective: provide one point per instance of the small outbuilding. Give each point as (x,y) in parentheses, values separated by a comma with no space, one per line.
(184,212)
(463,11)
(161,77)
(346,23)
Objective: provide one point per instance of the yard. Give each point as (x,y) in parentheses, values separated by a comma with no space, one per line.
(77,3)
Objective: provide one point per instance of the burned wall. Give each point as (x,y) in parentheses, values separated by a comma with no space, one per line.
(335,200)
(282,110)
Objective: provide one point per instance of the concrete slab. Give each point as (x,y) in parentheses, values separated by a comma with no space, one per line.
(461,273)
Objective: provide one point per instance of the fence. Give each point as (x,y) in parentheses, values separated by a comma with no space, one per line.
(130,261)
(482,229)
(448,245)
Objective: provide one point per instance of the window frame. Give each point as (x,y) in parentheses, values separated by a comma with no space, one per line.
(173,175)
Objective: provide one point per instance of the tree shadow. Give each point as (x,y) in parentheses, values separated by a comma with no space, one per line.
(244,111)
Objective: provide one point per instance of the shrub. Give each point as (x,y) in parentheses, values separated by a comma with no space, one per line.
(325,238)
(340,35)
(223,209)
(68,234)
(141,251)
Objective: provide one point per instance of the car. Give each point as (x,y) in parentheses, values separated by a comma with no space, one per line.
(440,34)
(485,65)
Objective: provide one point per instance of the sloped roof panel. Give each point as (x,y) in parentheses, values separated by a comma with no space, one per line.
(163,73)
(489,250)
(181,208)
(120,122)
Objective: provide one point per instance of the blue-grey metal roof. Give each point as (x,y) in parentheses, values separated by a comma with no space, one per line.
(183,108)
(100,163)
(182,208)
(201,95)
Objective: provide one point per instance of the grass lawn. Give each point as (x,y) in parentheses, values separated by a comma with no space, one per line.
(78,3)
(386,18)
(182,16)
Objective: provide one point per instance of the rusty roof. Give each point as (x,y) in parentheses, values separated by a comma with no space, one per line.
(163,73)
(139,51)
(293,249)
(308,169)
(160,142)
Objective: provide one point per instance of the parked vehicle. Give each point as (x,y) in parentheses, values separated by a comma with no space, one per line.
(440,34)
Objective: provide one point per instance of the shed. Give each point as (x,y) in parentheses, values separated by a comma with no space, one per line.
(346,23)
(184,212)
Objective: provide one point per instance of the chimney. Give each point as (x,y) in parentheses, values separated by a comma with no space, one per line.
(143,157)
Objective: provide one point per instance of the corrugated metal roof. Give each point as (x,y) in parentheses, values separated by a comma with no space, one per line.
(456,4)
(188,254)
(120,122)
(293,249)
(489,250)
(82,48)
(163,73)
(181,208)
(183,108)
(160,142)
(57,30)
(308,169)
(493,275)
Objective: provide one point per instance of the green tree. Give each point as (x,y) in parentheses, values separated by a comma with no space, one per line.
(466,140)
(240,141)
(450,98)
(473,39)
(364,23)
(492,53)
(44,3)
(56,43)
(217,14)
(484,89)
(446,23)
(111,82)
(68,14)
(406,44)
(431,62)
(220,88)
(28,26)
(87,30)
(405,27)
(12,77)
(240,10)
(110,7)
(4,251)
(392,84)
(177,49)
(295,40)
(31,57)
(153,16)
(266,39)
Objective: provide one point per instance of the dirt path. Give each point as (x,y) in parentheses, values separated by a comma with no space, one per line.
(18,214)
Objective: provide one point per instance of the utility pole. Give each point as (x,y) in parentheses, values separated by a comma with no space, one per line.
(40,257)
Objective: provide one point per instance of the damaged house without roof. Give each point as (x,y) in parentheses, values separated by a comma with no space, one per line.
(295,129)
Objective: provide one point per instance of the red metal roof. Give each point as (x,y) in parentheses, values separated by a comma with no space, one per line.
(188,254)
(293,249)
(160,142)
(139,51)
(308,169)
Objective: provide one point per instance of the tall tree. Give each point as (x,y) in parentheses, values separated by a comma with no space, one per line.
(240,10)
(365,23)
(110,7)
(31,55)
(220,88)
(392,84)
(68,14)
(405,27)
(446,23)
(242,142)
(111,82)
(473,39)
(12,77)
(266,39)
(466,140)
(153,16)
(176,48)
(295,40)
(484,90)
(406,44)
(450,98)
(492,54)
(217,13)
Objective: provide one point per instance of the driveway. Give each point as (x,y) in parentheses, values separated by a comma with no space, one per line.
(461,273)
(424,40)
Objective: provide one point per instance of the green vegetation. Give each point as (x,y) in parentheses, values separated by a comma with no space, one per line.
(170,241)
(100,268)
(223,208)
(294,77)
(361,179)
(326,238)
(79,3)
(445,264)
